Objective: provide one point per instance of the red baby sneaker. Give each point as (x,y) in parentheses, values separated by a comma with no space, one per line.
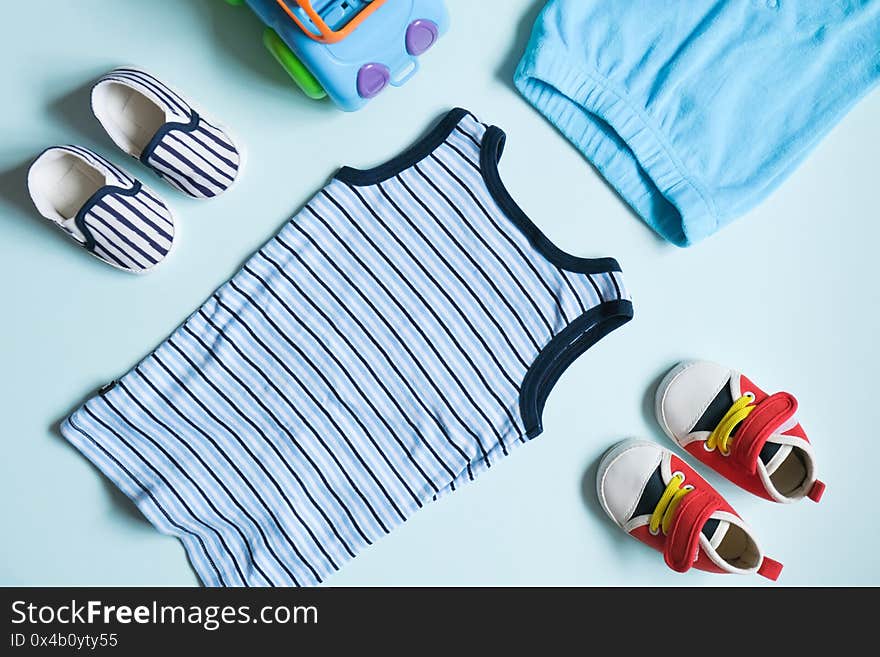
(726,421)
(657,498)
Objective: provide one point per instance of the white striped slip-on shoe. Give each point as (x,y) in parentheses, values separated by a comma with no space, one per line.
(106,211)
(156,125)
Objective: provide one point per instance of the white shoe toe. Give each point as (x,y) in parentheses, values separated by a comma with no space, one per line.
(622,475)
(685,393)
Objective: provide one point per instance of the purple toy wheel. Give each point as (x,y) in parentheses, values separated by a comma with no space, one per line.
(421,35)
(372,78)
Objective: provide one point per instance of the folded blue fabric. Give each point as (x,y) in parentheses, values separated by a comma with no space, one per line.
(695,111)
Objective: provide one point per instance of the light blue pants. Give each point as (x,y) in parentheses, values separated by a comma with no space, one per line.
(695,111)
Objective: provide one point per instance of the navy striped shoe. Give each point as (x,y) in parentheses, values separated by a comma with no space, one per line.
(154,124)
(101,207)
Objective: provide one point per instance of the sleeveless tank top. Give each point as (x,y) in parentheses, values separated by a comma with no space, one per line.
(398,337)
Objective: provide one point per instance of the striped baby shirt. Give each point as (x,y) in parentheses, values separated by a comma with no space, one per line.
(397,338)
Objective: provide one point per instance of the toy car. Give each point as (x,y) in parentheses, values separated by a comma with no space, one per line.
(349,50)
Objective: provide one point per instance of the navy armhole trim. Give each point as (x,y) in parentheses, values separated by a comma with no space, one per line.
(562,351)
(412,155)
(164,130)
(490,155)
(80,219)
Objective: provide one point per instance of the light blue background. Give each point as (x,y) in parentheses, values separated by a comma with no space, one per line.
(788,294)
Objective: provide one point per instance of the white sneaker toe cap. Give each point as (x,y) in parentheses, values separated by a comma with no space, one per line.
(622,475)
(685,393)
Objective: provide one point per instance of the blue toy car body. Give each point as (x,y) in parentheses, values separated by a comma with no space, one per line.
(383,50)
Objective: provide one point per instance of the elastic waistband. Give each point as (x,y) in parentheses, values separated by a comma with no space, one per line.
(638,161)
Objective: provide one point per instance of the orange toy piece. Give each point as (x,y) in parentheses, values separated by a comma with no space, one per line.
(325,33)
